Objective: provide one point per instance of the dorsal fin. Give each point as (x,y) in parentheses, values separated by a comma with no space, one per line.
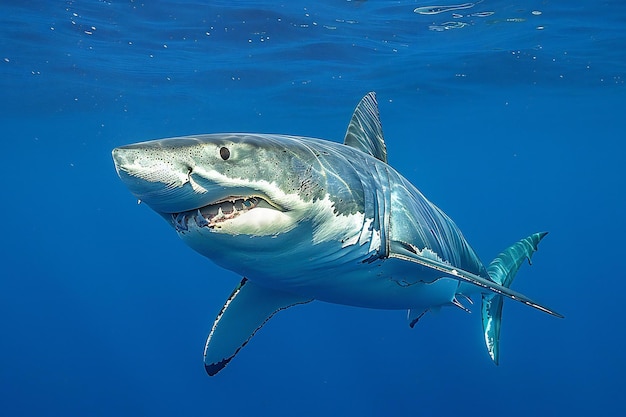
(365,132)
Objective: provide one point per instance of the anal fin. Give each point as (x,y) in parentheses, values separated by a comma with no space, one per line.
(247,309)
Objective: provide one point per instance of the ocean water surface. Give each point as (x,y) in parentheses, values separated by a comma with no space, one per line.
(507,115)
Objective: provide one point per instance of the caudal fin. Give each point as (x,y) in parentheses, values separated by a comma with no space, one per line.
(502,270)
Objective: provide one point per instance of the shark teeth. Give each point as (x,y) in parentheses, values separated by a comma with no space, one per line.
(211,215)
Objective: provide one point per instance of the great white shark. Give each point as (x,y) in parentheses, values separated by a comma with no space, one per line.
(305,219)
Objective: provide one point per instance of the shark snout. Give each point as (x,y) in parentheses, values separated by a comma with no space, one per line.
(152,164)
(158,177)
(170,175)
(118,158)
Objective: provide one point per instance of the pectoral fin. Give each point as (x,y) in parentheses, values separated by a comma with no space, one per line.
(247,309)
(413,315)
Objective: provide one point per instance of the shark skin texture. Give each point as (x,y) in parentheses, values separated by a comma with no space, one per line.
(306,219)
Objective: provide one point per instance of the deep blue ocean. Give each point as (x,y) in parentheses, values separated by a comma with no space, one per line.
(510,116)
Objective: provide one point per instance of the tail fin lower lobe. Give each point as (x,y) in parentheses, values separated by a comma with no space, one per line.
(503,270)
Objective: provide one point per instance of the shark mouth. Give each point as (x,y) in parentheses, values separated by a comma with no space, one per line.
(213,214)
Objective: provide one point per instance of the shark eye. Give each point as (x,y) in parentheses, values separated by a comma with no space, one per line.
(224,153)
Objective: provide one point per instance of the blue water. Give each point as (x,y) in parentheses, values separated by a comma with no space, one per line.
(511,122)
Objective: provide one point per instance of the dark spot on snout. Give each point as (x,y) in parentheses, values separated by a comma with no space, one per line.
(224,153)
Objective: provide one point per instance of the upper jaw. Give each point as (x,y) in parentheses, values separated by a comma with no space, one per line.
(181,203)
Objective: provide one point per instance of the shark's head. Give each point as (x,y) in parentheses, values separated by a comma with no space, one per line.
(234,184)
(220,190)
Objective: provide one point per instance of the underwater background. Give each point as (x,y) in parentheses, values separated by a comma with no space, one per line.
(510,116)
